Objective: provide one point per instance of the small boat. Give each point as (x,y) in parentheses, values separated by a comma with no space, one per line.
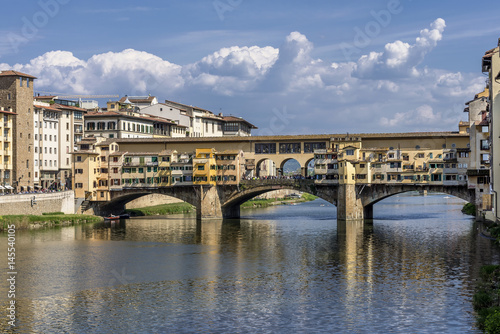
(111,218)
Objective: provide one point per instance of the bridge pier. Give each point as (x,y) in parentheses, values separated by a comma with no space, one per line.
(349,205)
(208,203)
(230,212)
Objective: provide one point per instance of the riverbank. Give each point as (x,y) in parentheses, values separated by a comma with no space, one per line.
(162,209)
(47,220)
(486,300)
(264,203)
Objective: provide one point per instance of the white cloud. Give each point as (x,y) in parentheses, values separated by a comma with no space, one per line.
(423,115)
(383,91)
(400,59)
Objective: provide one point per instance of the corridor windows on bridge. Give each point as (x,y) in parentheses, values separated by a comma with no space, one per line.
(289,148)
(310,147)
(265,148)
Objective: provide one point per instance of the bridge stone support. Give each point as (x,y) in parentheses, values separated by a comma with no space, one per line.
(208,204)
(349,204)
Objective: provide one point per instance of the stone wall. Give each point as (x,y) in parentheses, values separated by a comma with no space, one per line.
(277,194)
(63,201)
(151,200)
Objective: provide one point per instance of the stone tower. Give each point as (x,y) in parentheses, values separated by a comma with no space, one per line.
(16,92)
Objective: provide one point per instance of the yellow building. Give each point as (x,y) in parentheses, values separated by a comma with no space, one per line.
(203,174)
(228,167)
(85,169)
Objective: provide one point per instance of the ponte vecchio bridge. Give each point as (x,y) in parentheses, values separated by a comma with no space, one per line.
(351,171)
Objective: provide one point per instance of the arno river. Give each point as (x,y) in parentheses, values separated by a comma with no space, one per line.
(286,269)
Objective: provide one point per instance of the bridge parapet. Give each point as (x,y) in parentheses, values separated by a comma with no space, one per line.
(294,183)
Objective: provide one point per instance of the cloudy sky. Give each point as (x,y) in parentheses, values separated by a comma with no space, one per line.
(289,67)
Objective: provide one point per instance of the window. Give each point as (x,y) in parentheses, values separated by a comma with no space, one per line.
(349,152)
(485,145)
(310,147)
(485,128)
(290,148)
(265,148)
(78,158)
(231,127)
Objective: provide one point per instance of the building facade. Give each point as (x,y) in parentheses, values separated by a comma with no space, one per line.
(16,93)
(491,66)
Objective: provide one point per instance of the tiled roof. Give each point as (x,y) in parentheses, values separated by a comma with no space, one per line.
(7,112)
(46,107)
(15,73)
(324,137)
(103,114)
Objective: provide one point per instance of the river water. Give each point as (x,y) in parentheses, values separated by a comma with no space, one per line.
(284,269)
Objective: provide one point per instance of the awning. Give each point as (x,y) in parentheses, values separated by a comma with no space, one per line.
(1,187)
(8,187)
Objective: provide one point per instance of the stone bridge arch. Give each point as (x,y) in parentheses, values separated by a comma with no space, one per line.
(231,201)
(374,193)
(119,199)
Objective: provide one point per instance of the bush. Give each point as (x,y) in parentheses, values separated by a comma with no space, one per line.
(481,299)
(492,322)
(469,209)
(489,272)
(52,213)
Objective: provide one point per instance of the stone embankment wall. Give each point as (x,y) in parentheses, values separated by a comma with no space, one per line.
(151,200)
(63,201)
(277,194)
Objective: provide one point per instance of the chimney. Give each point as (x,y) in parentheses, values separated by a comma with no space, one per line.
(220,114)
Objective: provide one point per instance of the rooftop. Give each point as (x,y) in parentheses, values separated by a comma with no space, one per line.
(16,74)
(137,99)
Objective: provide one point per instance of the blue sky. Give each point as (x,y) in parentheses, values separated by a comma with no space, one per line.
(287,66)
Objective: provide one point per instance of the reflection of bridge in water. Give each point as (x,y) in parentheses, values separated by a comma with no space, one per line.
(354,201)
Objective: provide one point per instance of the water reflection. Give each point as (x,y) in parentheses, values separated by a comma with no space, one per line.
(263,273)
